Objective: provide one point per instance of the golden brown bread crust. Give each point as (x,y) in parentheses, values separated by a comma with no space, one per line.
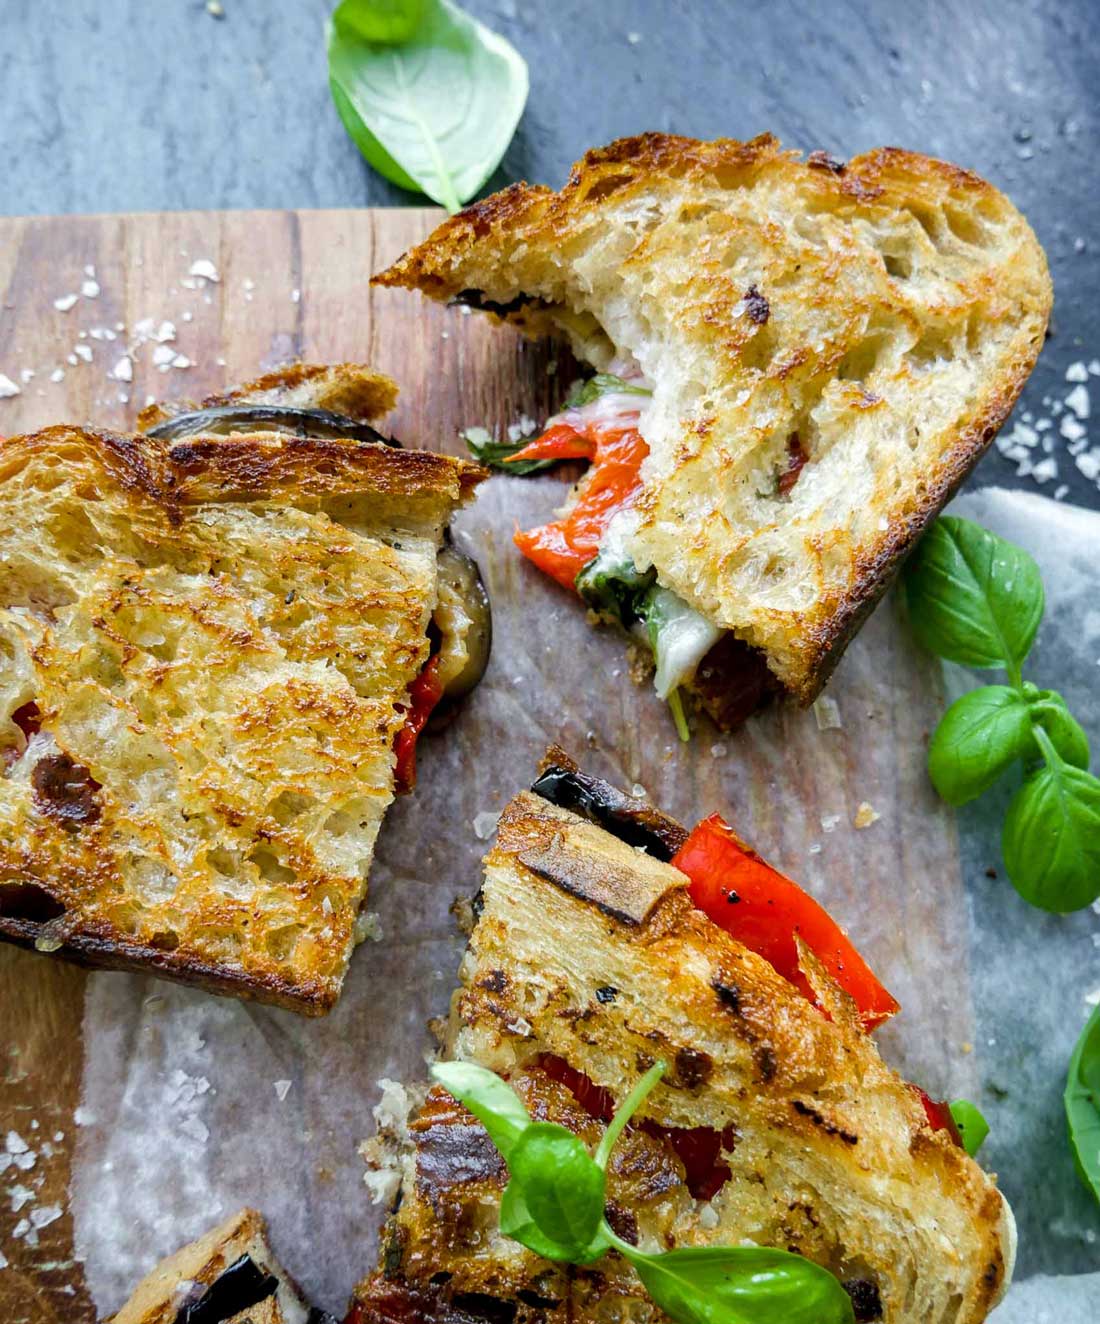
(183,1276)
(205,648)
(828,1151)
(343,388)
(887,311)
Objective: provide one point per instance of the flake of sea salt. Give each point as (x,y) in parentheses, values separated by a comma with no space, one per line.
(1045,470)
(123,371)
(83,352)
(65,302)
(1061,491)
(829,822)
(1070,428)
(282,1089)
(58,375)
(827,713)
(719,750)
(163,356)
(1077,372)
(44,1215)
(195,1129)
(1078,401)
(19,1197)
(1089,463)
(8,388)
(485,824)
(90,289)
(205,269)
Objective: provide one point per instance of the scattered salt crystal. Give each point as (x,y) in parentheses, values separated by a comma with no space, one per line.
(1061,491)
(8,388)
(163,356)
(485,824)
(815,847)
(65,302)
(1093,998)
(248,283)
(1089,463)
(1078,401)
(1077,372)
(83,352)
(24,1162)
(90,289)
(296,295)
(827,713)
(123,371)
(84,1116)
(829,822)
(195,1129)
(1070,428)
(3,1260)
(26,375)
(367,927)
(865,816)
(282,1089)
(19,1197)
(205,269)
(23,1229)
(1045,470)
(58,375)
(71,360)
(15,1144)
(638,791)
(45,1214)
(181,361)
(187,315)
(718,750)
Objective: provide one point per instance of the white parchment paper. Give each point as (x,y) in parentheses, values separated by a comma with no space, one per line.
(193,1106)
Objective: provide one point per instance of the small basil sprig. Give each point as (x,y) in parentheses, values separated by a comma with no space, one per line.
(1082,1098)
(603,383)
(554,1205)
(498,454)
(977,599)
(430,96)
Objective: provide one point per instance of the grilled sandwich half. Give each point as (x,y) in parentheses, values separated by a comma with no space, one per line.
(825,349)
(213,637)
(778,1123)
(229,1276)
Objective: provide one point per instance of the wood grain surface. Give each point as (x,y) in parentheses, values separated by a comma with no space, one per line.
(294,284)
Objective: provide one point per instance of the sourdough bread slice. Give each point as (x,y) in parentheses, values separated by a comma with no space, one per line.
(206,648)
(230,1275)
(833,347)
(588,955)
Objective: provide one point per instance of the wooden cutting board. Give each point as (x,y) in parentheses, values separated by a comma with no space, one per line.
(294,285)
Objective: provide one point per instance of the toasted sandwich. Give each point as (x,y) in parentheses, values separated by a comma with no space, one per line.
(607,937)
(228,1276)
(798,362)
(219,640)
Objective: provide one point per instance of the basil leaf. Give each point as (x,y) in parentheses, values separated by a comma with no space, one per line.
(492,1101)
(495,454)
(387,21)
(613,585)
(1049,710)
(516,1222)
(980,735)
(435,113)
(1082,1099)
(1051,838)
(972,1125)
(563,1188)
(603,383)
(973,597)
(741,1285)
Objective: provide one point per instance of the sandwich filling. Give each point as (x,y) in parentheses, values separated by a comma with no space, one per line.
(585,549)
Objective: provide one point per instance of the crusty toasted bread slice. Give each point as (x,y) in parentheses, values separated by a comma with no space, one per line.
(587,963)
(206,648)
(351,389)
(231,1268)
(875,319)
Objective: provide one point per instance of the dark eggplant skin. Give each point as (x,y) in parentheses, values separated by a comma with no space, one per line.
(224,420)
(242,1285)
(624,816)
(476,299)
(464,576)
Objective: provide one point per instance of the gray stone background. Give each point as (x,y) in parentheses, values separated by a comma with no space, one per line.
(115,105)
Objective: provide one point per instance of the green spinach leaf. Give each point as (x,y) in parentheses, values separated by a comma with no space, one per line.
(972,1125)
(974,598)
(433,111)
(492,1101)
(1051,837)
(1082,1099)
(741,1285)
(979,737)
(497,454)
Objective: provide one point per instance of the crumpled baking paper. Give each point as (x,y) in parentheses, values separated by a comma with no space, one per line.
(193,1106)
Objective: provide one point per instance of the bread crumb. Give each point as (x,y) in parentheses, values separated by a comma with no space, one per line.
(865,815)
(966,1046)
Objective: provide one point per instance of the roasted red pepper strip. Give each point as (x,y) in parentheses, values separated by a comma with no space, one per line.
(424,693)
(563,548)
(939,1116)
(764,910)
(560,442)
